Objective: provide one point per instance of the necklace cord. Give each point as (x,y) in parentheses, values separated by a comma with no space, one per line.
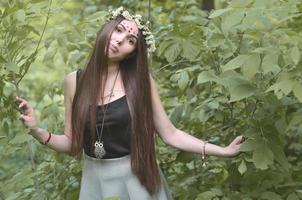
(105,110)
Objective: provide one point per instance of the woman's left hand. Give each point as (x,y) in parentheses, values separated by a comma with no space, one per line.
(234,147)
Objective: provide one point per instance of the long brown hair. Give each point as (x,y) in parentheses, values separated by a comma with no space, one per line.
(136,79)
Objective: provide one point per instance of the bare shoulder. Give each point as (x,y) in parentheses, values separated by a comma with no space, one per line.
(153,83)
(70,85)
(71,77)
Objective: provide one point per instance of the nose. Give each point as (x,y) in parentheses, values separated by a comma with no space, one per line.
(119,40)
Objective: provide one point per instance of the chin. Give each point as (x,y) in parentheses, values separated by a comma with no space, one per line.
(114,59)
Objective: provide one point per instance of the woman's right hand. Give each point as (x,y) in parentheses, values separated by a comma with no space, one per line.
(27,116)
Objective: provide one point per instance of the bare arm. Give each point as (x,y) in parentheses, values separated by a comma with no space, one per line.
(59,143)
(181,140)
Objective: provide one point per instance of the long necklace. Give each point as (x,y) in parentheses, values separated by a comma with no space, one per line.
(99,149)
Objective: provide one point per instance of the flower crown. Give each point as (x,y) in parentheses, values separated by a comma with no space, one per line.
(149,38)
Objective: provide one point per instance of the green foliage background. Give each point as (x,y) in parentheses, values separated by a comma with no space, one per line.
(234,71)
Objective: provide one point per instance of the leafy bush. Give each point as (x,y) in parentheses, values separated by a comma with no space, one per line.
(234,71)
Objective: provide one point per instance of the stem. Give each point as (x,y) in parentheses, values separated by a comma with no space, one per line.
(16,83)
(253,113)
(216,64)
(231,109)
(29,144)
(149,16)
(149,10)
(36,50)
(178,62)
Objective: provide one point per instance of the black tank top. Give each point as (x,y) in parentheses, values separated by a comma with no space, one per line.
(116,134)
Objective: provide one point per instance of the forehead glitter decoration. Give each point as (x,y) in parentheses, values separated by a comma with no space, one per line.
(149,38)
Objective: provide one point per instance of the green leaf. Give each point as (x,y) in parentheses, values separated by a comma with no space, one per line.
(231,20)
(163,46)
(297,90)
(263,4)
(2,60)
(49,55)
(235,63)
(276,145)
(172,52)
(285,86)
(217,192)
(219,12)
(100,15)
(205,195)
(190,50)
(174,77)
(113,198)
(176,114)
(206,76)
(2,137)
(183,80)
(292,196)
(20,15)
(251,66)
(185,157)
(13,67)
(74,56)
(248,145)
(262,156)
(270,64)
(241,3)
(242,167)
(216,40)
(239,92)
(295,54)
(270,196)
(20,138)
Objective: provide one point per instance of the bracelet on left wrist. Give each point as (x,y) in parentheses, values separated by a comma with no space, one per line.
(47,140)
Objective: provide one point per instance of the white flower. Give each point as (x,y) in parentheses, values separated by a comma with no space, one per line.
(149,38)
(127,15)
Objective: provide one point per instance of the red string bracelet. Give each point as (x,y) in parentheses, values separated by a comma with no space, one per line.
(48,139)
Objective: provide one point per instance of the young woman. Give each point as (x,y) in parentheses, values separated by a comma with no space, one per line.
(112,112)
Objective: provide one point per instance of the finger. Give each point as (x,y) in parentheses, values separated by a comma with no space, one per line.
(237,140)
(21,118)
(25,107)
(244,138)
(22,104)
(19,98)
(25,117)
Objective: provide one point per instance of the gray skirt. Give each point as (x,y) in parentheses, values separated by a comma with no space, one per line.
(113,179)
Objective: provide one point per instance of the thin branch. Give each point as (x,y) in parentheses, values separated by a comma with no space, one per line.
(174,63)
(36,50)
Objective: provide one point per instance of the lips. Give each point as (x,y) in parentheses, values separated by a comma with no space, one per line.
(113,48)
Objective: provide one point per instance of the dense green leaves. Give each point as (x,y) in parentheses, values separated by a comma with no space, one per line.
(234,71)
(248,82)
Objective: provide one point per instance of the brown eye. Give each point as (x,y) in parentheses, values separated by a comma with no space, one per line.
(131,42)
(118,29)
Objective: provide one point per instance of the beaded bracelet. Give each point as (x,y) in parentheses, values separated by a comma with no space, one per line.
(203,153)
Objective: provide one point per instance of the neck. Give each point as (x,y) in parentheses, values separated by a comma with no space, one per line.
(113,68)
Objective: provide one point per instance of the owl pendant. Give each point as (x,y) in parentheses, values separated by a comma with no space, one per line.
(99,150)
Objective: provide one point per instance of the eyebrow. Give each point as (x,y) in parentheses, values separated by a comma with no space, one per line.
(126,30)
